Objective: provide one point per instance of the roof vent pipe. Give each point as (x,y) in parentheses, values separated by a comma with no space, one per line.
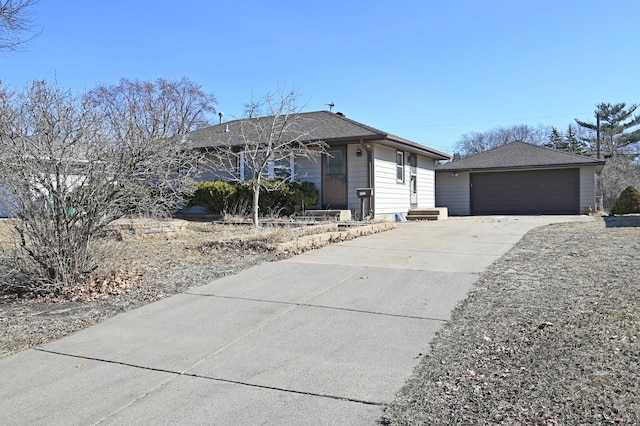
(341,114)
(226,128)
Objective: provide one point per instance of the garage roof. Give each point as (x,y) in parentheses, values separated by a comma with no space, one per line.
(519,155)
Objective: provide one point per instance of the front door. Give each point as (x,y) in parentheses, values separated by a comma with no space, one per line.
(334,179)
(413,182)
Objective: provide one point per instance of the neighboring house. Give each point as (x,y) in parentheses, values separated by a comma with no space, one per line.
(399,172)
(518,178)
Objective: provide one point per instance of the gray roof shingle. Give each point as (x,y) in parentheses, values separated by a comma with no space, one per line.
(518,155)
(317,126)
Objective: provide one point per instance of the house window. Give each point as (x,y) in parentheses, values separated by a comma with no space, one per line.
(400,167)
(281,169)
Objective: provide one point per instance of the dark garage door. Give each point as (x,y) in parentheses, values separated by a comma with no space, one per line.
(525,192)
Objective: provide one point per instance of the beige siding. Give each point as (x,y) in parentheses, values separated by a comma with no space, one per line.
(391,196)
(454,192)
(426,183)
(587,189)
(357,174)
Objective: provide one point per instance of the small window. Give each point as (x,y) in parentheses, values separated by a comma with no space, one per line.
(400,167)
(334,163)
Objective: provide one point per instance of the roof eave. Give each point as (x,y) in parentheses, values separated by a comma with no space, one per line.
(599,165)
(418,148)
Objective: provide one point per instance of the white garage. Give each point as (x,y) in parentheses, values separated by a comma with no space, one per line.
(518,178)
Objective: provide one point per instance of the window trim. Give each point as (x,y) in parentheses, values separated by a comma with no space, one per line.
(400,178)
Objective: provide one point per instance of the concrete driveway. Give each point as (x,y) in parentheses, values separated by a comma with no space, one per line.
(326,337)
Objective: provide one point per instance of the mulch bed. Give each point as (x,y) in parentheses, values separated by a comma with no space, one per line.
(549,336)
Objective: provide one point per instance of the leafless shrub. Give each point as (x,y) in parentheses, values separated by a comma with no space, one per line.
(71,165)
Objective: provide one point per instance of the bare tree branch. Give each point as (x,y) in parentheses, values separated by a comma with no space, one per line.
(476,142)
(16,22)
(264,147)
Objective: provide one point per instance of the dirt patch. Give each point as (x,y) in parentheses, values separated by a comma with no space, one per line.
(549,336)
(147,262)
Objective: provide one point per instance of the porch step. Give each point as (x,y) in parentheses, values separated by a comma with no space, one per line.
(438,213)
(338,215)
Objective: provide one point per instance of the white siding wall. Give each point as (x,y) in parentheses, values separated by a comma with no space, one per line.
(587,189)
(426,183)
(391,197)
(357,175)
(454,192)
(307,170)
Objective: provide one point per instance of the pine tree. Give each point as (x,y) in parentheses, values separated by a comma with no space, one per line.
(616,126)
(575,145)
(556,140)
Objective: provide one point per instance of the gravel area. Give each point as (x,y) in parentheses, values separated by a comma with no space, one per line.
(550,335)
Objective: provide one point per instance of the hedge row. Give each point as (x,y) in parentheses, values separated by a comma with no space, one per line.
(276,197)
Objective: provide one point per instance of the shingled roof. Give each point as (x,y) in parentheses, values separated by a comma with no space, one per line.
(519,155)
(317,126)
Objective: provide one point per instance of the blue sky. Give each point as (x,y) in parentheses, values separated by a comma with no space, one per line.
(428,71)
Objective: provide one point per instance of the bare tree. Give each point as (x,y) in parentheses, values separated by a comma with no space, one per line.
(476,142)
(15,23)
(264,146)
(70,172)
(153,109)
(144,116)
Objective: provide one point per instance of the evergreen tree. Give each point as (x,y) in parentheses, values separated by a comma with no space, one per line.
(617,124)
(574,143)
(556,140)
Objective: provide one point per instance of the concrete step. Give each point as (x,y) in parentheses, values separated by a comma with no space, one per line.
(422,217)
(438,213)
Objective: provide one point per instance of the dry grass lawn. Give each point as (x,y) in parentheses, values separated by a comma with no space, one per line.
(549,336)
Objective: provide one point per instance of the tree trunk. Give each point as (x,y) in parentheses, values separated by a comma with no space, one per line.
(256,198)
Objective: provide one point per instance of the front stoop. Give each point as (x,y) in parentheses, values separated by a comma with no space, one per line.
(437,213)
